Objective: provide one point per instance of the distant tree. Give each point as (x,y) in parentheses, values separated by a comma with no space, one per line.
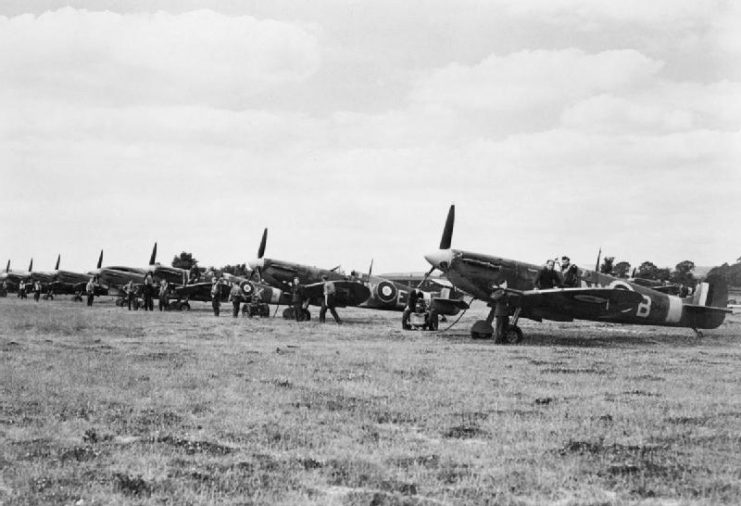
(647,270)
(621,269)
(184,261)
(731,273)
(663,274)
(237,270)
(682,273)
(607,265)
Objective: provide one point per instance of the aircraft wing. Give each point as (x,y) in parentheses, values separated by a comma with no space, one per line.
(565,304)
(347,293)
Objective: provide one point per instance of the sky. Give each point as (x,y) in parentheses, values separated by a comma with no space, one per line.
(348,128)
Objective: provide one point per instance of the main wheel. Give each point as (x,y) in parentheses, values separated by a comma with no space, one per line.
(264,310)
(482,330)
(307,315)
(433,320)
(513,335)
(288,313)
(184,306)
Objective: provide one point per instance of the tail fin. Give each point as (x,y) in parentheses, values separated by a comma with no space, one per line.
(100,259)
(712,292)
(59,257)
(153,258)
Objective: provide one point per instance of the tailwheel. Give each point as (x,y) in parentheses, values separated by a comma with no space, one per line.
(513,335)
(482,330)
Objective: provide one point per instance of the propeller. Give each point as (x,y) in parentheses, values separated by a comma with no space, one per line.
(596,266)
(153,258)
(59,257)
(442,258)
(7,267)
(100,259)
(256,265)
(263,243)
(447,237)
(30,266)
(370,269)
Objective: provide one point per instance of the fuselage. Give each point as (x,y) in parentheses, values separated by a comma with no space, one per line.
(479,275)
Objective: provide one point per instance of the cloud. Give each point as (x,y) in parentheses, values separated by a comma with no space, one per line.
(531,80)
(195,57)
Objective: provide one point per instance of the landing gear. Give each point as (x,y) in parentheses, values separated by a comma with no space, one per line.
(183,306)
(483,329)
(697,333)
(290,314)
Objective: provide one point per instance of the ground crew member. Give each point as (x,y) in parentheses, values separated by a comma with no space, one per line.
(22,289)
(90,290)
(548,277)
(235,295)
(500,299)
(216,295)
(36,290)
(164,292)
(328,302)
(130,293)
(569,273)
(410,307)
(148,292)
(297,300)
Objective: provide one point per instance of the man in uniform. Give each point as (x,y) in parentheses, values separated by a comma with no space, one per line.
(235,296)
(22,289)
(569,273)
(501,314)
(216,295)
(36,290)
(297,299)
(148,291)
(410,307)
(548,277)
(328,302)
(90,290)
(164,295)
(130,293)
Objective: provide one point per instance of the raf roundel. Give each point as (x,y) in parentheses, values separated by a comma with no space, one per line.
(386,292)
(247,288)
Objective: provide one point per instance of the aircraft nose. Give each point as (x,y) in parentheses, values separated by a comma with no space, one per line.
(256,263)
(440,259)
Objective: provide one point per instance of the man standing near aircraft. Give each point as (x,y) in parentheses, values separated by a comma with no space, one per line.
(148,292)
(548,277)
(164,293)
(90,290)
(130,293)
(22,289)
(569,273)
(216,295)
(501,314)
(235,295)
(328,302)
(36,290)
(297,299)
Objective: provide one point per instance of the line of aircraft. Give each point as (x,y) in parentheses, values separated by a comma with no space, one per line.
(599,297)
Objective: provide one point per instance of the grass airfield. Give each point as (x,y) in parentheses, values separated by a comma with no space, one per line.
(106,406)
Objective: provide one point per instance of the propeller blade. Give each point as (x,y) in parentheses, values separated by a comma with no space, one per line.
(596,267)
(447,237)
(263,242)
(633,274)
(153,258)
(59,257)
(7,267)
(30,266)
(100,259)
(370,269)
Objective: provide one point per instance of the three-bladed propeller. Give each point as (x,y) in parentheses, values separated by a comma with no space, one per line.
(442,258)
(257,264)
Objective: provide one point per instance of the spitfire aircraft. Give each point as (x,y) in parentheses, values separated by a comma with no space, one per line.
(279,274)
(598,298)
(11,279)
(65,282)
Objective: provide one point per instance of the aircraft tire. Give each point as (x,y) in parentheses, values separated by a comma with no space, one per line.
(482,330)
(119,302)
(184,306)
(434,320)
(288,314)
(307,316)
(513,335)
